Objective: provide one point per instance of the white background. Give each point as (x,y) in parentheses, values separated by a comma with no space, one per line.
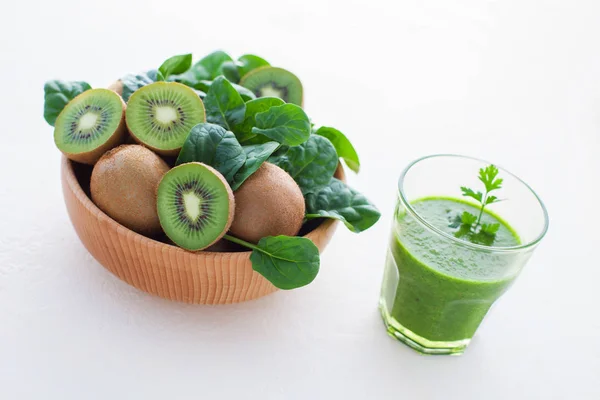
(514,82)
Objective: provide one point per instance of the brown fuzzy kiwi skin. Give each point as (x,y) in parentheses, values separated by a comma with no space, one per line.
(117,87)
(167,153)
(118,137)
(231,200)
(269,203)
(123,185)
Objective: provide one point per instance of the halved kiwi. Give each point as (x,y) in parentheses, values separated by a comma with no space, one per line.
(90,124)
(195,205)
(274,82)
(161,115)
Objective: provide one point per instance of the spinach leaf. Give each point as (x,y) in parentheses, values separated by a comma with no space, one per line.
(243,131)
(212,63)
(176,65)
(155,75)
(205,85)
(248,62)
(339,201)
(256,155)
(191,77)
(342,145)
(132,82)
(213,145)
(246,94)
(224,106)
(235,70)
(206,69)
(57,94)
(287,262)
(311,164)
(287,124)
(230,71)
(200,93)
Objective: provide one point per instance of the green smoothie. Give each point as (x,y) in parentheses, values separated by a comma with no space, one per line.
(438,289)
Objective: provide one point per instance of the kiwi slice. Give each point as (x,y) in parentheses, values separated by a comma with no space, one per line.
(90,124)
(161,115)
(274,82)
(195,205)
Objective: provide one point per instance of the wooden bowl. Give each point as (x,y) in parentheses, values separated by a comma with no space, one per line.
(162,269)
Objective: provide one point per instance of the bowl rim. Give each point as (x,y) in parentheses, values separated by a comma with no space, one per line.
(87,202)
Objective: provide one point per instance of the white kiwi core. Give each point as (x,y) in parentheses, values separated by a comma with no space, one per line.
(166,115)
(88,121)
(270,91)
(192,202)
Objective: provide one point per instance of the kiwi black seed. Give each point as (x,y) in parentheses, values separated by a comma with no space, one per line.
(195,205)
(274,82)
(161,115)
(123,185)
(90,124)
(269,203)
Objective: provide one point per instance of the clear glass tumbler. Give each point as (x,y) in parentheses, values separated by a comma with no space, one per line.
(442,274)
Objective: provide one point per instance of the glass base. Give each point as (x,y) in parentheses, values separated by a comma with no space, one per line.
(418,343)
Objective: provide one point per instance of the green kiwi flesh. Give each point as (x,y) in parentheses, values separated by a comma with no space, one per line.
(90,124)
(195,205)
(274,82)
(161,115)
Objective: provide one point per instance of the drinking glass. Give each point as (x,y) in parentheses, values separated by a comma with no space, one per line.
(441,277)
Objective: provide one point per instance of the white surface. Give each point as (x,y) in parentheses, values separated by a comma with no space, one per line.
(515,82)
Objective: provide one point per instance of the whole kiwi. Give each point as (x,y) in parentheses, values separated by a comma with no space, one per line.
(117,87)
(269,203)
(123,185)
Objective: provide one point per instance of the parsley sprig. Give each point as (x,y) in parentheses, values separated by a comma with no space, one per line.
(489,178)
